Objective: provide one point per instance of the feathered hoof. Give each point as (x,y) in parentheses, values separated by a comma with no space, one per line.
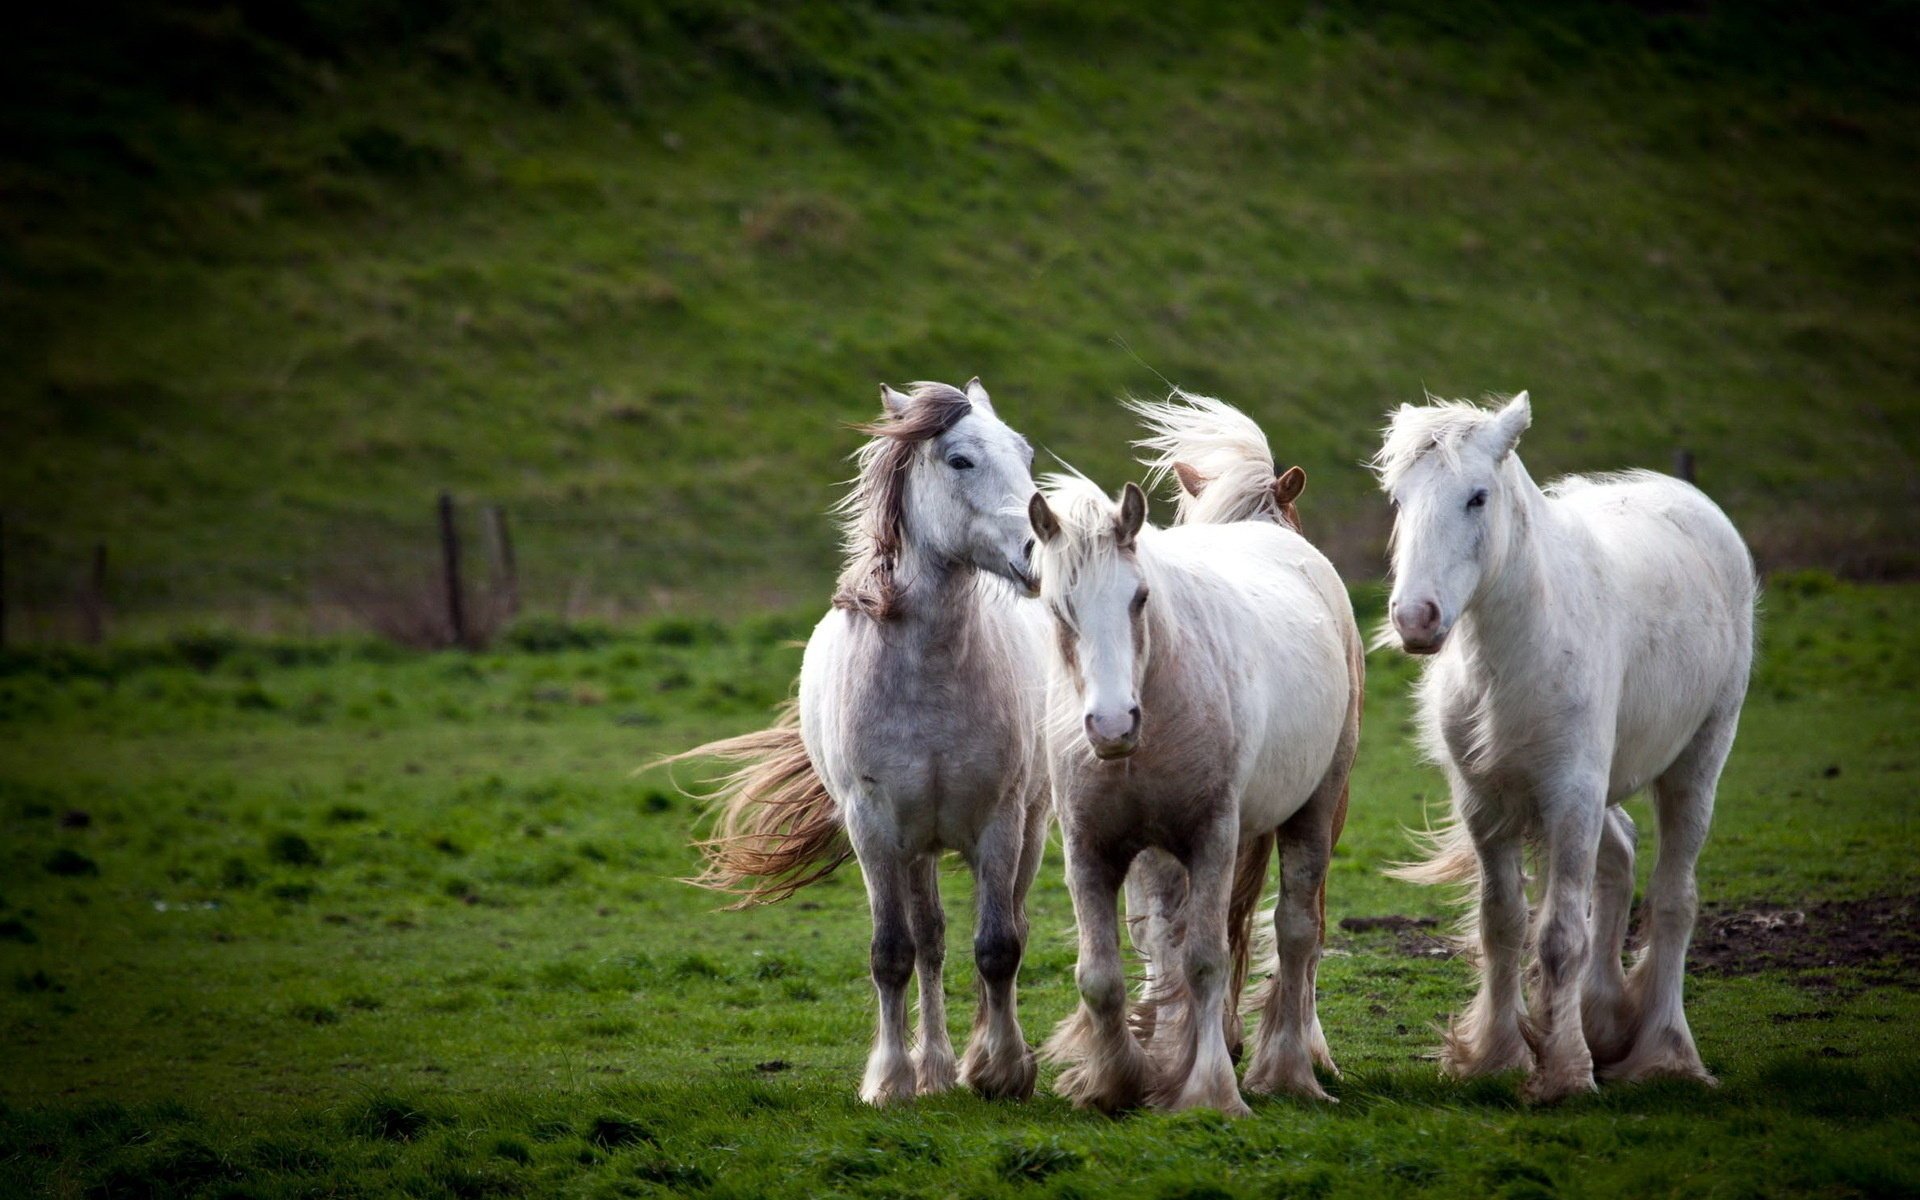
(1220,1094)
(1300,1083)
(934,1071)
(1468,1057)
(1554,1086)
(1667,1054)
(1110,1083)
(1008,1074)
(889,1082)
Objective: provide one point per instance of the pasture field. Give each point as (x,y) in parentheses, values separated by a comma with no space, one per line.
(303,919)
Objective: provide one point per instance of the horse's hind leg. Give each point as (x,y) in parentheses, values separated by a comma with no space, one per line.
(1156,896)
(933,1059)
(890,1075)
(1683,802)
(1201,1076)
(998,1063)
(1290,1041)
(1106,1068)
(1603,1002)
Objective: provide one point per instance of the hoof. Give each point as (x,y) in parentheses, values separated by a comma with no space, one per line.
(1005,1076)
(934,1072)
(1552,1087)
(888,1083)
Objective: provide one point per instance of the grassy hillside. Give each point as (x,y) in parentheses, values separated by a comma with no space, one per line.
(272,275)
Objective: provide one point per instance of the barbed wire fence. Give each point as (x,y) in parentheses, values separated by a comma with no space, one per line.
(468,567)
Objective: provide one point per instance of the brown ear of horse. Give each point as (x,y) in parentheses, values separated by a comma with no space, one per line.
(1133,513)
(1046,526)
(1191,481)
(1289,485)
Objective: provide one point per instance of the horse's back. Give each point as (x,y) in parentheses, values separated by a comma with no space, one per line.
(1680,581)
(1279,631)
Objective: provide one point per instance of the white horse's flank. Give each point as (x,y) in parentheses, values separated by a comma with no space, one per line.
(1203,697)
(918,731)
(1588,640)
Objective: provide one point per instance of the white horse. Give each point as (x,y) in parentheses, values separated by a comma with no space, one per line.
(1203,698)
(1226,473)
(917,730)
(1587,641)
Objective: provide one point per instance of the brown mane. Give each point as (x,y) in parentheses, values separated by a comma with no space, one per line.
(873,509)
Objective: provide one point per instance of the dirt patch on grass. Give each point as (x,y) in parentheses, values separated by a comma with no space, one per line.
(1414,937)
(1879,937)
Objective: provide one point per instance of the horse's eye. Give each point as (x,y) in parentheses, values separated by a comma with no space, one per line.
(1139,601)
(960,462)
(1478,499)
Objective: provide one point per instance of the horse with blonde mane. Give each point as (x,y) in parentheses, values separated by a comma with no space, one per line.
(1226,473)
(1204,703)
(1584,641)
(916,731)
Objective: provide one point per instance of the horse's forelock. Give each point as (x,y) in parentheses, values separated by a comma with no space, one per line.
(1413,433)
(1088,541)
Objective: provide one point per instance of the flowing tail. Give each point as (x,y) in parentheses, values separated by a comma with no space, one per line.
(1449,856)
(1220,457)
(1243,911)
(775,827)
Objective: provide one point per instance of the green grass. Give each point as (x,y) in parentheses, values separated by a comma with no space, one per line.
(276,276)
(342,921)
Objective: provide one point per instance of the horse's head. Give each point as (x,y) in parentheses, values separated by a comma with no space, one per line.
(1450,470)
(1093,585)
(964,478)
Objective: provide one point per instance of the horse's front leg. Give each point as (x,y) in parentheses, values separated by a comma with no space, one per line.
(933,1058)
(1106,1068)
(998,1063)
(1572,817)
(1487,1037)
(1201,1076)
(890,1073)
(1603,1001)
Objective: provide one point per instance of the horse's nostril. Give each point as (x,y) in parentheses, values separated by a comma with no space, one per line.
(1430,613)
(1026,550)
(1133,729)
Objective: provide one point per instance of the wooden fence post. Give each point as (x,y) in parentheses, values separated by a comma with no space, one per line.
(450,564)
(506,573)
(1683,464)
(93,602)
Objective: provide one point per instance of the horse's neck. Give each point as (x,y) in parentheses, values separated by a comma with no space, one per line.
(936,603)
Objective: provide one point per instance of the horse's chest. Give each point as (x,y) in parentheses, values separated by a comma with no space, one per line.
(936,745)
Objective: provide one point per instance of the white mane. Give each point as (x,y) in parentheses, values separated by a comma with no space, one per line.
(1214,438)
(1412,433)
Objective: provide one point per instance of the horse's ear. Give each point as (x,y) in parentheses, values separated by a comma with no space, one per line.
(896,403)
(1191,481)
(1287,488)
(1046,526)
(977,393)
(1509,424)
(1133,513)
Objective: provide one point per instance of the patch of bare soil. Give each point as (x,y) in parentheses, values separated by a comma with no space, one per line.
(1414,937)
(1879,937)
